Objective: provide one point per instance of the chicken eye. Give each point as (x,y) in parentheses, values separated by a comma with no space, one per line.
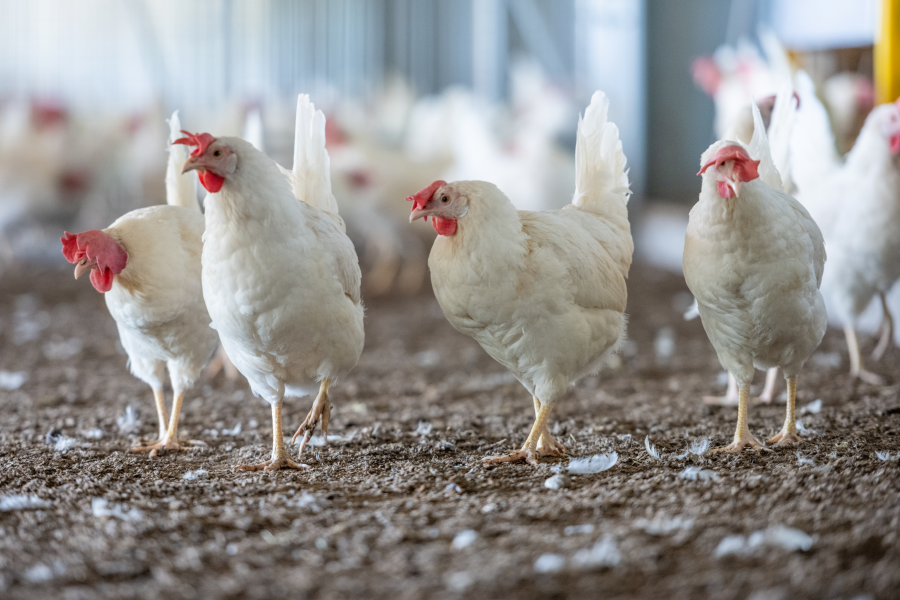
(217,152)
(445,199)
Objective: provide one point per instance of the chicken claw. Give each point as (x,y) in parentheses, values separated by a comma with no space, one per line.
(783,438)
(526,454)
(548,446)
(168,438)
(321,408)
(739,443)
(532,449)
(280,457)
(280,462)
(742,435)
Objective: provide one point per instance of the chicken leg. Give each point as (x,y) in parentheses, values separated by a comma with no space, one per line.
(886,328)
(768,393)
(219,362)
(280,456)
(729,399)
(742,435)
(160,399)
(856,370)
(547,444)
(168,440)
(528,452)
(321,408)
(788,433)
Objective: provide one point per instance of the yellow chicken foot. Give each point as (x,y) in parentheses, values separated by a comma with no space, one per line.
(742,435)
(169,438)
(886,328)
(321,408)
(529,450)
(547,444)
(280,457)
(788,433)
(729,399)
(856,370)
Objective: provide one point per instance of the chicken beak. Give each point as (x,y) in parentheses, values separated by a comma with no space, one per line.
(735,184)
(81,268)
(191,164)
(418,213)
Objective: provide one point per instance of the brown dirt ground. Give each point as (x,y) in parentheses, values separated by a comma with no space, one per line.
(376,514)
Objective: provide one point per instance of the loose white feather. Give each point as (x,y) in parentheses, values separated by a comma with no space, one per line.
(592,464)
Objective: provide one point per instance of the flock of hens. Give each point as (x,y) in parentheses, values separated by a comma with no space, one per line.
(267,279)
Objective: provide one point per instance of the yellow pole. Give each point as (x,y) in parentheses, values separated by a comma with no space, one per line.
(887,53)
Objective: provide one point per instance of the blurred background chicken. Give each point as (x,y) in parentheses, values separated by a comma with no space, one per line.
(753,258)
(147,265)
(856,202)
(542,292)
(280,278)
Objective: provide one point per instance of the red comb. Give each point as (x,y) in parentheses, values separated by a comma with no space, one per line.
(201,140)
(747,169)
(422,197)
(70,247)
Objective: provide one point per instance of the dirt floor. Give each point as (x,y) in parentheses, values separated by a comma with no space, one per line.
(399,504)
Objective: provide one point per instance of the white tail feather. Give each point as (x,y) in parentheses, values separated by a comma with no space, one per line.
(813,150)
(600,173)
(311,177)
(759,150)
(780,128)
(181,189)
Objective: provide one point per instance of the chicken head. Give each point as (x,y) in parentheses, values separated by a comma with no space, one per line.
(733,166)
(443,203)
(95,251)
(213,159)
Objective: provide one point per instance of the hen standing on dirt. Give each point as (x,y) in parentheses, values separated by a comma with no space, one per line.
(857,204)
(542,292)
(147,265)
(753,258)
(280,277)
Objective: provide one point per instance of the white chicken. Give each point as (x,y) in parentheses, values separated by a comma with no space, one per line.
(753,258)
(280,277)
(542,292)
(778,131)
(857,204)
(147,265)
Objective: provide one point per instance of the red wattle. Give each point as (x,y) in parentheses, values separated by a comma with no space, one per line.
(444,226)
(211,181)
(895,143)
(725,190)
(102,279)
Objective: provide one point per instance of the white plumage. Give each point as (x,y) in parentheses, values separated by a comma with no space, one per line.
(280,278)
(156,300)
(754,262)
(542,292)
(857,204)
